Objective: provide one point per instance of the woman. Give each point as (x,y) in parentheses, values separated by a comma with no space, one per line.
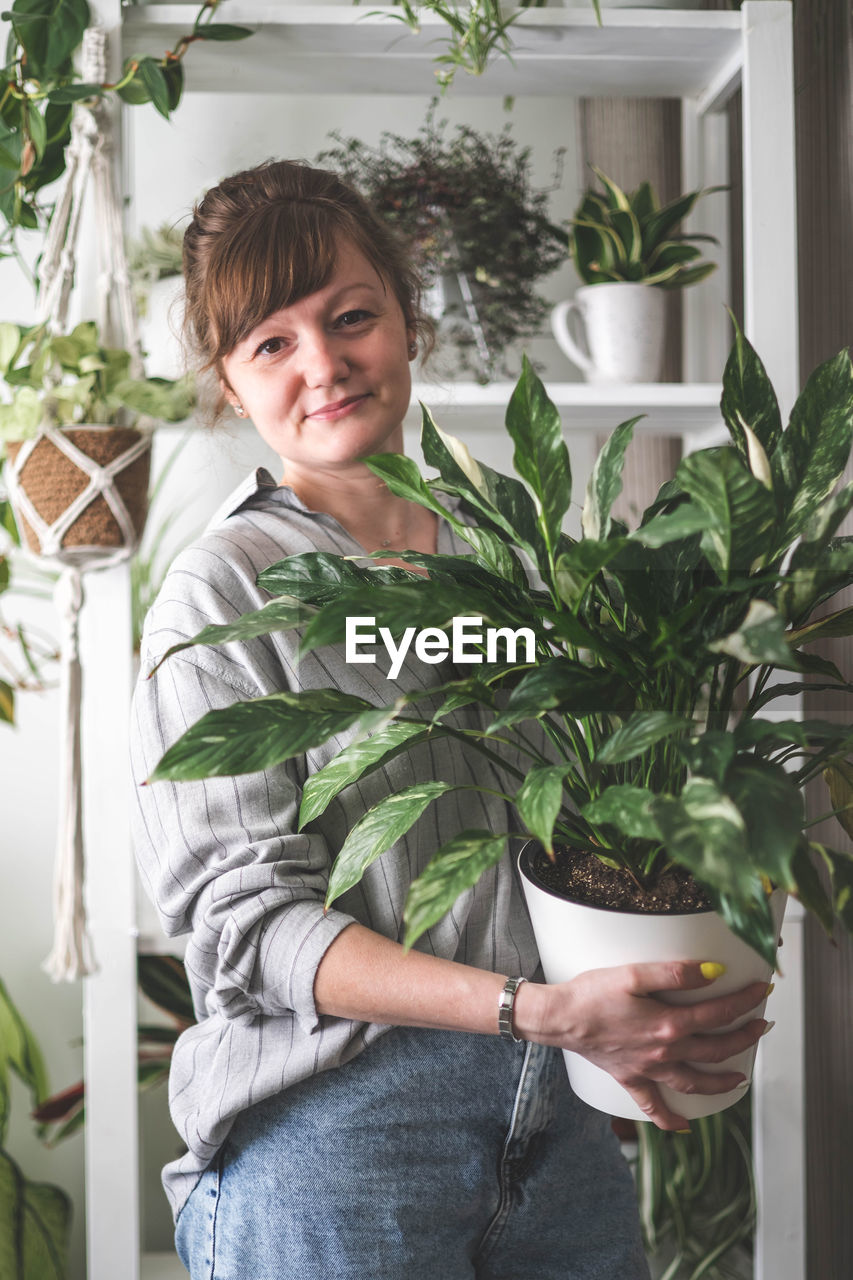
(351,1110)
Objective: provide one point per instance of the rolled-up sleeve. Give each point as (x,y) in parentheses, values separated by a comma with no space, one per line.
(222,859)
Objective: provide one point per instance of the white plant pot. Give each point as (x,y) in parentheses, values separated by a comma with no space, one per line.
(573,938)
(620,331)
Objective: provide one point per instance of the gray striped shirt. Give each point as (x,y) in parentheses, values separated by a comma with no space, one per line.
(223,860)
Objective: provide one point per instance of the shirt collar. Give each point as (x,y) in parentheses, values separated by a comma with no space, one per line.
(261,481)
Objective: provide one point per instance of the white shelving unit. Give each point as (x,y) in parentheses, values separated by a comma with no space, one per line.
(701,58)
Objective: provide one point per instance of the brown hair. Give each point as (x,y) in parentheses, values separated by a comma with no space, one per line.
(266,238)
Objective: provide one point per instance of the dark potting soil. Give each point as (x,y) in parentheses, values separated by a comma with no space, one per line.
(584,878)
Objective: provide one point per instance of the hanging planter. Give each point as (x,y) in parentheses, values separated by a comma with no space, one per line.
(81,492)
(78,441)
(573,937)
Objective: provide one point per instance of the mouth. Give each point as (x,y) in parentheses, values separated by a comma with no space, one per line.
(337,408)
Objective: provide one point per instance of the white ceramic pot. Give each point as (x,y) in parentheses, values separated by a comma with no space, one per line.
(620,331)
(573,938)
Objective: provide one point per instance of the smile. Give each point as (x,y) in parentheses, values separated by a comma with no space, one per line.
(337,409)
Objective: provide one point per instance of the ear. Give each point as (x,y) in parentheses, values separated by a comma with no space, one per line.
(227,392)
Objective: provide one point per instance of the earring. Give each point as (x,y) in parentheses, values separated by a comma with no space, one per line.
(239,410)
(413,348)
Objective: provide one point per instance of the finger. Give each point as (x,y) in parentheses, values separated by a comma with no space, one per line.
(648,1099)
(719,1011)
(672,975)
(682,1078)
(724,1044)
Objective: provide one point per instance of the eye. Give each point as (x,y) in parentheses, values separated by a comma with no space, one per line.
(270,347)
(351,318)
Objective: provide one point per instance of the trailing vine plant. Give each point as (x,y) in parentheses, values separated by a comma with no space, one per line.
(40,83)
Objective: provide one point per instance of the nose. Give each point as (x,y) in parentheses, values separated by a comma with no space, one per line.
(322,360)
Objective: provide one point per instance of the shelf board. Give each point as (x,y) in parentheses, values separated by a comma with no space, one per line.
(305,49)
(669,408)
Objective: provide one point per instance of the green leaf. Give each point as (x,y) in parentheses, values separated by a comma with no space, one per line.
(277,615)
(705,831)
(641,731)
(316,577)
(686,521)
(222,31)
(578,567)
(68,93)
(771,805)
(502,500)
(565,686)
(7,703)
(541,457)
(605,482)
(163,980)
(539,800)
(250,736)
(354,761)
(20,1054)
(456,867)
(627,808)
(35,1221)
(808,888)
(748,396)
(814,450)
(708,754)
(831,625)
(156,85)
(742,511)
(383,825)
(68,21)
(839,778)
(759,640)
(840,867)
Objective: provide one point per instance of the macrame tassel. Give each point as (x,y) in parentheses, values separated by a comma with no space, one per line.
(72,956)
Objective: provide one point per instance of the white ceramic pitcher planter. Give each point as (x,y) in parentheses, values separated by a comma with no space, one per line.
(623,331)
(573,937)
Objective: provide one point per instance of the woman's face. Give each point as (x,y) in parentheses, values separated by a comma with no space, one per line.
(327,381)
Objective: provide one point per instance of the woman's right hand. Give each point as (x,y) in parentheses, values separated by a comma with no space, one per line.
(614,1018)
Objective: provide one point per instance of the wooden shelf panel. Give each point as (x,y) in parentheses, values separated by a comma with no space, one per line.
(305,49)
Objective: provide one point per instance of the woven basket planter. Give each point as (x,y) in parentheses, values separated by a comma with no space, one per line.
(81,492)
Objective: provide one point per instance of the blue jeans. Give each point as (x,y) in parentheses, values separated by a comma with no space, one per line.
(431,1156)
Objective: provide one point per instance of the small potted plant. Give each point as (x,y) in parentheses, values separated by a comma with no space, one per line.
(77,437)
(479,232)
(627,250)
(663,788)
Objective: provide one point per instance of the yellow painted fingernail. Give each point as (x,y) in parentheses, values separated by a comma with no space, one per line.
(711,970)
(770,990)
(682,1130)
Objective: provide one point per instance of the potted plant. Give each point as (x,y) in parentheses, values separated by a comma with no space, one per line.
(76,433)
(474,222)
(649,658)
(626,249)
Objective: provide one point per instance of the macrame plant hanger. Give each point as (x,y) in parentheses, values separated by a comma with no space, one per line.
(89,158)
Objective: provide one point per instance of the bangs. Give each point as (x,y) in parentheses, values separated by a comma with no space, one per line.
(276,256)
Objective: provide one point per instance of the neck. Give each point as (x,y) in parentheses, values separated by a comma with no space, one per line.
(376,518)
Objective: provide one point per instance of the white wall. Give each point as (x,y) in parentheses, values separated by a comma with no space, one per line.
(169,164)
